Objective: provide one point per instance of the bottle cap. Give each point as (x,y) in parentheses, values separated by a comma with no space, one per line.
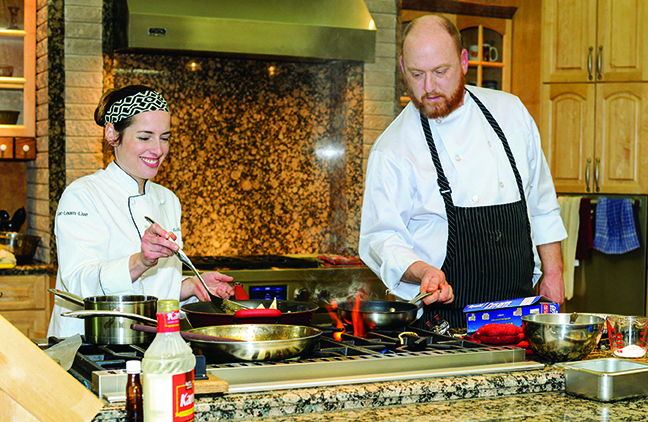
(133,366)
(167,305)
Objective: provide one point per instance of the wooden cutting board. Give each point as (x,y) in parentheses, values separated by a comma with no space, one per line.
(212,384)
(35,388)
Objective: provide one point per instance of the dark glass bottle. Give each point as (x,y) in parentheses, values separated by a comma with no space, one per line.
(134,407)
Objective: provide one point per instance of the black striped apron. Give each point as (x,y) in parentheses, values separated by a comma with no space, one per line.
(489,253)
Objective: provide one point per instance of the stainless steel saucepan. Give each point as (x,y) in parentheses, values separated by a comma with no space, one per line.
(107,329)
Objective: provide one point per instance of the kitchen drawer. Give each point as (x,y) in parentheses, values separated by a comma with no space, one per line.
(6,148)
(17,148)
(23,292)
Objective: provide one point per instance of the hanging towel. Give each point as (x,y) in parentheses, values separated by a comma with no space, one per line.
(570,214)
(585,235)
(615,231)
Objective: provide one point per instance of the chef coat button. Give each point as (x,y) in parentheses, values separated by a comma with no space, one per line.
(501,184)
(475,198)
(438,121)
(458,157)
(162,201)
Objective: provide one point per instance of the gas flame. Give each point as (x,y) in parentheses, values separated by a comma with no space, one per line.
(359,329)
(338,323)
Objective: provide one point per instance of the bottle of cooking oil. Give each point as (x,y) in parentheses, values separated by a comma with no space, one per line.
(168,370)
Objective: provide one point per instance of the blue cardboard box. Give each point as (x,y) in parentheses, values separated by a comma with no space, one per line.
(507,311)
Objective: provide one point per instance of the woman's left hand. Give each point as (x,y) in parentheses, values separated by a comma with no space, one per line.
(217,283)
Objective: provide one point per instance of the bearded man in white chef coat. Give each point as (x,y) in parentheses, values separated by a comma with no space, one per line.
(459,200)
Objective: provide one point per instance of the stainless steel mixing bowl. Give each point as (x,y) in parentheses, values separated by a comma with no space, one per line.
(555,339)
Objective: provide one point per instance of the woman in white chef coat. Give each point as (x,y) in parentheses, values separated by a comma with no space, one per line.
(104,244)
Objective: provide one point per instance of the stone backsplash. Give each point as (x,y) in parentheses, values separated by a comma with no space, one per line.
(266,156)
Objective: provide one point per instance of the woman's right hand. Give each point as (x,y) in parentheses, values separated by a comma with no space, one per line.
(156,243)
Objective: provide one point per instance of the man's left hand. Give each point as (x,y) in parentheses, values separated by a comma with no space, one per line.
(553,287)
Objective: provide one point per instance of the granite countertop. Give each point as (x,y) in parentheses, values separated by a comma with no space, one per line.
(537,395)
(30,268)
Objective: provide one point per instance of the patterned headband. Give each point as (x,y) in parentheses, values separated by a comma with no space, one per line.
(135,104)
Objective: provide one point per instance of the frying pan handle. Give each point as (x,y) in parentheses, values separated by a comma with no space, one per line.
(247,314)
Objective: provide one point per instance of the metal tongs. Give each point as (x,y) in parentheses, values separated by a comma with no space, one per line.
(225,305)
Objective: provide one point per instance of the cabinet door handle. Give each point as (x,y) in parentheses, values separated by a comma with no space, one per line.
(596,174)
(589,62)
(599,62)
(587,174)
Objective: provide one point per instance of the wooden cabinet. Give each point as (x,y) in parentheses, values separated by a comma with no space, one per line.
(594,122)
(25,302)
(18,68)
(595,136)
(594,40)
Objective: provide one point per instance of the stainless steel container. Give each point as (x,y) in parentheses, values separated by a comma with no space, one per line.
(606,379)
(116,330)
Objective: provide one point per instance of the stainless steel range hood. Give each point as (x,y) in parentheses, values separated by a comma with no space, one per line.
(319,29)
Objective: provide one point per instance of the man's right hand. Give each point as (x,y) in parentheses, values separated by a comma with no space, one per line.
(431,279)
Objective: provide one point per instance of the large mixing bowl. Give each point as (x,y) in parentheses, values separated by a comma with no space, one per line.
(23,246)
(555,339)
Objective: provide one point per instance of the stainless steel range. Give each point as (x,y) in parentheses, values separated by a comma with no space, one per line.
(383,355)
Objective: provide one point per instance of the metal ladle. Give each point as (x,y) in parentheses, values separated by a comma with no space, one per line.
(227,306)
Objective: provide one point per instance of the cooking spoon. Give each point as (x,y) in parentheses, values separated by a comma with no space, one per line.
(225,305)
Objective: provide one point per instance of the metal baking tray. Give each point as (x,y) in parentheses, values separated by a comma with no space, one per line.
(606,379)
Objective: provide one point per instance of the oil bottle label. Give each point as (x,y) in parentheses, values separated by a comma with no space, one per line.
(168,322)
(168,397)
(183,397)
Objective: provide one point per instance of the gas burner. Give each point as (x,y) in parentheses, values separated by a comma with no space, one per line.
(250,262)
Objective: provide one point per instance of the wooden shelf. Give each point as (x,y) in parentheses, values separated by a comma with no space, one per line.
(13,33)
(485,64)
(12,83)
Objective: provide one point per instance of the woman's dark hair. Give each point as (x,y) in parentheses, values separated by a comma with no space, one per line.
(108,99)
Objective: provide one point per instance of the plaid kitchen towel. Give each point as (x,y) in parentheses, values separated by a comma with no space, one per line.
(615,231)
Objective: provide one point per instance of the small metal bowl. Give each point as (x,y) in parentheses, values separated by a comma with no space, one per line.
(23,246)
(553,338)
(8,117)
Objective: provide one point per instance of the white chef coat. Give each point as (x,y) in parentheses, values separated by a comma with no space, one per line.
(403,214)
(98,226)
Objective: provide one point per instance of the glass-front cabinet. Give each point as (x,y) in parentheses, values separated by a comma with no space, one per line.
(17,72)
(489,58)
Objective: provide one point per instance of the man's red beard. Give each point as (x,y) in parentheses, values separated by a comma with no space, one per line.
(441,108)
